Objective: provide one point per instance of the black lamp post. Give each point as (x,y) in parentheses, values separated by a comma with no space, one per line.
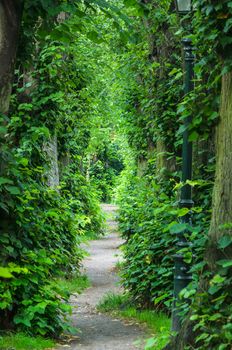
(182,277)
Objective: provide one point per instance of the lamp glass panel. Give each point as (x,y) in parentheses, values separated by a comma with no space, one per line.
(184,5)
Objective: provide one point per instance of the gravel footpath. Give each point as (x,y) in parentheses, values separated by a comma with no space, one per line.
(99,331)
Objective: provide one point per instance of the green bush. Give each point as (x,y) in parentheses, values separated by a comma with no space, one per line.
(212,304)
(149,220)
(144,218)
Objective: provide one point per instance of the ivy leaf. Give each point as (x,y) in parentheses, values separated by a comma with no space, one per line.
(4,207)
(3,130)
(5,273)
(215,317)
(226,41)
(194,317)
(214,289)
(202,337)
(224,242)
(13,190)
(23,161)
(183,211)
(225,263)
(217,279)
(94,36)
(161,298)
(4,180)
(129,3)
(228,25)
(225,70)
(24,320)
(177,228)
(182,128)
(53,213)
(193,136)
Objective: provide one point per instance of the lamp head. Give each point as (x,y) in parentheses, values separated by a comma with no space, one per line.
(183,6)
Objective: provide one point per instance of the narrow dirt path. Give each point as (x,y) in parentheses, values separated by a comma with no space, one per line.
(99,331)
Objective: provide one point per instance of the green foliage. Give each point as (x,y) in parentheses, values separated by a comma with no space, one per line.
(215,24)
(43,224)
(105,166)
(144,218)
(211,308)
(152,81)
(149,221)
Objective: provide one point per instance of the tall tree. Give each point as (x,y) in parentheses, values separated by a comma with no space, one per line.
(10,19)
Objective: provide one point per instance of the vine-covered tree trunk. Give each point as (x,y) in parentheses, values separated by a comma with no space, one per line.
(160,52)
(10,18)
(222,202)
(64,162)
(51,151)
(222,194)
(141,167)
(163,161)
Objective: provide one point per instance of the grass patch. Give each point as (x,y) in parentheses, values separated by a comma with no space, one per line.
(94,236)
(157,323)
(114,303)
(110,216)
(118,265)
(74,284)
(20,341)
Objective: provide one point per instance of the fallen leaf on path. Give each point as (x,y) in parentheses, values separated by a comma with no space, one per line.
(64,345)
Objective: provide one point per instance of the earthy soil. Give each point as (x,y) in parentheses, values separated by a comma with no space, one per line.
(99,331)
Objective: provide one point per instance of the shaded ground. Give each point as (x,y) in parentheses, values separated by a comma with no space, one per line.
(98,331)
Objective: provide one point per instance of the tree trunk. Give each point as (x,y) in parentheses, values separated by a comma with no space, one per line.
(222,193)
(64,162)
(141,167)
(164,164)
(221,205)
(10,18)
(51,151)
